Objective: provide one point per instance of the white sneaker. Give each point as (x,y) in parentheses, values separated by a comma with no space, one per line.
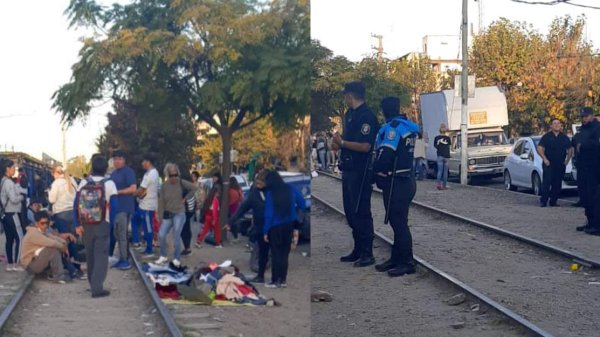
(17,268)
(218,246)
(112,260)
(9,267)
(176,263)
(148,256)
(162,260)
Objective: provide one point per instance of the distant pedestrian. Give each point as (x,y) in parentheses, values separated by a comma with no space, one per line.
(190,209)
(124,178)
(10,199)
(236,196)
(442,144)
(281,204)
(96,236)
(420,155)
(556,150)
(210,212)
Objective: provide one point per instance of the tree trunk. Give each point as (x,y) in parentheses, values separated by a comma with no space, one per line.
(226,137)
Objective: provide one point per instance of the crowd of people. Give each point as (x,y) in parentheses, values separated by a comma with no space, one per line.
(103,213)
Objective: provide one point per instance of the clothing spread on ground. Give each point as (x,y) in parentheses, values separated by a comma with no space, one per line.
(209,284)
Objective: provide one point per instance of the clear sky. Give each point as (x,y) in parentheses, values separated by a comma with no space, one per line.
(345,26)
(38,51)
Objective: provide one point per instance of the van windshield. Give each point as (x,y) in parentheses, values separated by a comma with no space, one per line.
(484,139)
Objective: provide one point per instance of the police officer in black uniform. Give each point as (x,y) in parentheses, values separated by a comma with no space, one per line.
(356,143)
(588,169)
(393,173)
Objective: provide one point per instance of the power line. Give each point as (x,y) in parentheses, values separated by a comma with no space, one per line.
(555,2)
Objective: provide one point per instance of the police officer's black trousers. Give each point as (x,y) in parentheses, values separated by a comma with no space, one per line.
(361,222)
(591,197)
(552,182)
(403,192)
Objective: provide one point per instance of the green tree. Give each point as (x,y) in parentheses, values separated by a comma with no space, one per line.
(78,166)
(230,62)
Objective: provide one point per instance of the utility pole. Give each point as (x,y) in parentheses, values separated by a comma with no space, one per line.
(464,82)
(380,46)
(64,145)
(480,16)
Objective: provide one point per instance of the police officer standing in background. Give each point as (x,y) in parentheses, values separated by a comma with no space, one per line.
(356,143)
(393,173)
(588,172)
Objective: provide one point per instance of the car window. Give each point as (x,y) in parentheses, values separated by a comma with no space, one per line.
(518,148)
(526,147)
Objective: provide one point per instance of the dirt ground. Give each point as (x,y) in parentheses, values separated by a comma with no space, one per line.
(292,318)
(367,303)
(50,309)
(533,283)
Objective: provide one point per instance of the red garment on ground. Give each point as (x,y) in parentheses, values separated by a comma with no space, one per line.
(169,291)
(245,290)
(211,221)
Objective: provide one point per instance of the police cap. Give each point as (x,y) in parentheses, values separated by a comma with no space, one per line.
(585,111)
(390,105)
(356,89)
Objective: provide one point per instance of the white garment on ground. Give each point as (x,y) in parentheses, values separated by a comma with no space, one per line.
(150,182)
(109,188)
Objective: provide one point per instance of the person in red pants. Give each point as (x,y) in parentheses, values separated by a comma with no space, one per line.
(211,219)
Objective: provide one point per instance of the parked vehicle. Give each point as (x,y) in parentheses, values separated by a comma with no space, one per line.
(523,167)
(487,144)
(302,183)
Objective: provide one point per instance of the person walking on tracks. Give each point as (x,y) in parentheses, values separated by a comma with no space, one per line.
(588,153)
(442,144)
(556,150)
(356,143)
(393,173)
(93,222)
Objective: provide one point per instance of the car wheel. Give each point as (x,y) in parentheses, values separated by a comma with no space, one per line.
(536,183)
(508,182)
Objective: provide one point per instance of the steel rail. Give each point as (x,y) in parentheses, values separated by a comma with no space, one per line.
(160,306)
(576,257)
(8,310)
(529,326)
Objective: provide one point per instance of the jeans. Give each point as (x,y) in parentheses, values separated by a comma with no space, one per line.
(176,222)
(442,170)
(419,169)
(64,224)
(142,218)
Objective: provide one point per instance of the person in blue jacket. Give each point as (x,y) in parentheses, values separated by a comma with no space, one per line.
(281,224)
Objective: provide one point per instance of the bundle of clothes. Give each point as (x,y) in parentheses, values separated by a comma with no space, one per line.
(210,283)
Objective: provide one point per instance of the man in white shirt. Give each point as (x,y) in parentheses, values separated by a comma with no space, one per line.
(148,196)
(96,236)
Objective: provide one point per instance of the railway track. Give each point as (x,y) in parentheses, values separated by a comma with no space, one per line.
(528,277)
(565,253)
(475,294)
(171,323)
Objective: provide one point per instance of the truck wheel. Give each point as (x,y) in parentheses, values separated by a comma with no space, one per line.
(536,184)
(508,182)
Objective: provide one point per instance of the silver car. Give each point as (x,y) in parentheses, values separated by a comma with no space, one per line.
(523,167)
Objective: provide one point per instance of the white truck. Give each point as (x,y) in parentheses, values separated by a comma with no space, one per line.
(487,142)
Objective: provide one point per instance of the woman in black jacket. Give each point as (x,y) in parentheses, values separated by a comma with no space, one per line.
(256,202)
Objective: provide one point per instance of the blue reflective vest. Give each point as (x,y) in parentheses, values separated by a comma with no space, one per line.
(395,143)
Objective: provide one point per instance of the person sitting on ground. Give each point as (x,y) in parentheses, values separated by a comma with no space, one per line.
(41,250)
(281,202)
(34,206)
(171,211)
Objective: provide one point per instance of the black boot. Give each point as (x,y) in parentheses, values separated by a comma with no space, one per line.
(355,255)
(402,270)
(366,255)
(385,266)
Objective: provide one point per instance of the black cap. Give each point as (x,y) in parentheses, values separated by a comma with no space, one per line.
(356,88)
(585,111)
(118,153)
(390,105)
